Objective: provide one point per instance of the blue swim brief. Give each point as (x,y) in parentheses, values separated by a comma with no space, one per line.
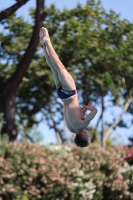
(64,94)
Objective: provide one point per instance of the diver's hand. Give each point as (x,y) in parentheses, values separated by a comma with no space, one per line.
(89,107)
(83,109)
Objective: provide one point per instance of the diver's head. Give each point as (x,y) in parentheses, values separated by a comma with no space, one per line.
(82,139)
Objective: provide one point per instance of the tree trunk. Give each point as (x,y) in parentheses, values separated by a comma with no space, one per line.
(8,87)
(7,107)
(102,127)
(57,137)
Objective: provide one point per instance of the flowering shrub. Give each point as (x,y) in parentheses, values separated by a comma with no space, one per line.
(129,154)
(31,171)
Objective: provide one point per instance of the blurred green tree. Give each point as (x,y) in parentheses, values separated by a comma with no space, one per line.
(95,47)
(16,54)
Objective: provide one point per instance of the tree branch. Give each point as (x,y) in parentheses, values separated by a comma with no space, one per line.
(102,131)
(96,127)
(54,126)
(26,133)
(16,78)
(7,12)
(117,121)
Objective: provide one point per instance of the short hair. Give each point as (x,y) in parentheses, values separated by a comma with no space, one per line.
(80,141)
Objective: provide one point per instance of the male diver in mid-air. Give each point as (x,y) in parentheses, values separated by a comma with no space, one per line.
(66,90)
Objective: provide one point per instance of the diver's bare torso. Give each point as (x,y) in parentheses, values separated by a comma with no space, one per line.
(72,113)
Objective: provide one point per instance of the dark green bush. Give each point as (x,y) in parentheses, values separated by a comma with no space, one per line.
(61,173)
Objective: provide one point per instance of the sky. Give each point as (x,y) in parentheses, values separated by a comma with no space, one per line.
(122,7)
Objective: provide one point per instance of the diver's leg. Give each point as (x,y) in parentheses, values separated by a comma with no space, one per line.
(65,78)
(55,75)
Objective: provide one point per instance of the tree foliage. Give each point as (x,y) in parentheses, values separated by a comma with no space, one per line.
(96,48)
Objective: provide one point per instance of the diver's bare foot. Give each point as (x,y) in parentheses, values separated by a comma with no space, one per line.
(44,36)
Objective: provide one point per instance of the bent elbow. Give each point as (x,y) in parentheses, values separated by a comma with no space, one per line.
(95,110)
